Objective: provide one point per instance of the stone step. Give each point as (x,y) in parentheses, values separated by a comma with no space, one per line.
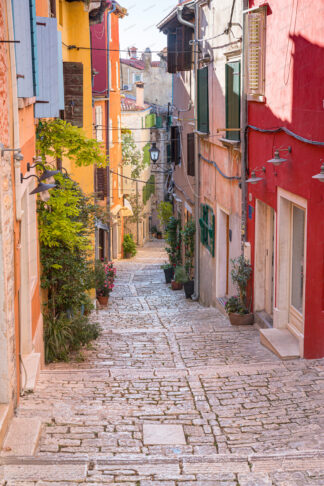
(281,342)
(22,437)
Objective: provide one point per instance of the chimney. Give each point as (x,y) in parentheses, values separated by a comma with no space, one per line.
(147,58)
(133,52)
(140,95)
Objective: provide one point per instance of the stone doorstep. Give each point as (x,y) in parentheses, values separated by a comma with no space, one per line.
(281,342)
(32,364)
(22,437)
(5,416)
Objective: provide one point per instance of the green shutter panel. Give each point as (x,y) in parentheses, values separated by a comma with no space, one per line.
(175,145)
(172,57)
(159,122)
(203,106)
(191,154)
(233,99)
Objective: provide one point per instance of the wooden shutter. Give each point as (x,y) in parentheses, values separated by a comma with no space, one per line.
(255,52)
(233,99)
(188,61)
(191,154)
(47,101)
(101,183)
(203,105)
(73,92)
(180,47)
(175,145)
(172,58)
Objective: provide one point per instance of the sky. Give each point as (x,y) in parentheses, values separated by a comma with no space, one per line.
(139,27)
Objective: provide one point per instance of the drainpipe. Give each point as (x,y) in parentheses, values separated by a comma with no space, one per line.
(244,141)
(15,116)
(195,27)
(108,125)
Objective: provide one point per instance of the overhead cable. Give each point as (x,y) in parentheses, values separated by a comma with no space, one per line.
(230,178)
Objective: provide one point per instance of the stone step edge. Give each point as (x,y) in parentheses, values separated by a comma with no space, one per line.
(206,370)
(185,459)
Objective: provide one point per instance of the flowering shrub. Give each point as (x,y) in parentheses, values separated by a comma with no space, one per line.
(105,277)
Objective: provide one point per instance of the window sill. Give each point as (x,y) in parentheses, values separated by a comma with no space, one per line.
(202,134)
(230,143)
(257,98)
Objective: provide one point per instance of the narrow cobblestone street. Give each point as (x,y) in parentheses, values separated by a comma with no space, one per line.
(171,394)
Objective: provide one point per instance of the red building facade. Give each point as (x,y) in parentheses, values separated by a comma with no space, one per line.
(285,209)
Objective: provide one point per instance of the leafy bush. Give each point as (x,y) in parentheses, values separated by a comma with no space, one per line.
(165,211)
(173,238)
(180,275)
(234,305)
(241,273)
(64,335)
(129,245)
(188,235)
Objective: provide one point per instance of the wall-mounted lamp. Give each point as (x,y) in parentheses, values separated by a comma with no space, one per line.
(320,176)
(154,153)
(254,179)
(17,156)
(47,174)
(277,160)
(41,188)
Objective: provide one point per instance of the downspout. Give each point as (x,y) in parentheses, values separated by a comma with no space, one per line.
(195,27)
(244,141)
(15,116)
(108,125)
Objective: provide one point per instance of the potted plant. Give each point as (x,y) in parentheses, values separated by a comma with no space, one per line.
(154,230)
(129,246)
(168,272)
(105,275)
(236,307)
(188,235)
(159,235)
(180,277)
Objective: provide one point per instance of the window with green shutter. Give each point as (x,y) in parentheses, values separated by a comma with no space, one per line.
(233,99)
(159,122)
(150,120)
(207,228)
(203,105)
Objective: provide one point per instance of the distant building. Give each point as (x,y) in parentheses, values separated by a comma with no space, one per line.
(158,82)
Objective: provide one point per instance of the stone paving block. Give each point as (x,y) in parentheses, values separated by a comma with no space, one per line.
(163,434)
(22,438)
(57,472)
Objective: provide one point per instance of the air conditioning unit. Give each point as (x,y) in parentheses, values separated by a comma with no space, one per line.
(127,87)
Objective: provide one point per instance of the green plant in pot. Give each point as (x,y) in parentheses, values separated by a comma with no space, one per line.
(188,236)
(129,246)
(168,272)
(180,277)
(154,230)
(105,275)
(237,307)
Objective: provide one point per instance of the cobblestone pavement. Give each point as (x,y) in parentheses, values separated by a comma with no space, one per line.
(243,417)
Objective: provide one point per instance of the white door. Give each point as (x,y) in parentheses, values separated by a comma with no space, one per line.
(297,268)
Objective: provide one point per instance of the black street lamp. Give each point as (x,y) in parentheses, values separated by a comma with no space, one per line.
(47,174)
(154,153)
(41,188)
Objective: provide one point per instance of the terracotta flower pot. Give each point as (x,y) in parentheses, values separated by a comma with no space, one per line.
(241,320)
(176,285)
(103,300)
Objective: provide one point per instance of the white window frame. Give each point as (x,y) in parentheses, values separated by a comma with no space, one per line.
(134,78)
(98,121)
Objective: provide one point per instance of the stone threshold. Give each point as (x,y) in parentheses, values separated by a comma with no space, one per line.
(281,342)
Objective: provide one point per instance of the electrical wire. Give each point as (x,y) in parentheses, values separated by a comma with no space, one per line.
(84,48)
(288,132)
(230,178)
(136,180)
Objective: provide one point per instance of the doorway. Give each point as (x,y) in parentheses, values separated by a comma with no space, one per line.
(222,264)
(264,258)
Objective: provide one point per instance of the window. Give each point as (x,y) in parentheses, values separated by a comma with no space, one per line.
(233,99)
(203,105)
(180,49)
(255,24)
(73,93)
(98,111)
(117,75)
(60,17)
(137,78)
(119,130)
(150,120)
(191,154)
(111,134)
(175,145)
(101,182)
(207,228)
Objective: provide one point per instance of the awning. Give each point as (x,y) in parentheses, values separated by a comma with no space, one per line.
(125,210)
(171,21)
